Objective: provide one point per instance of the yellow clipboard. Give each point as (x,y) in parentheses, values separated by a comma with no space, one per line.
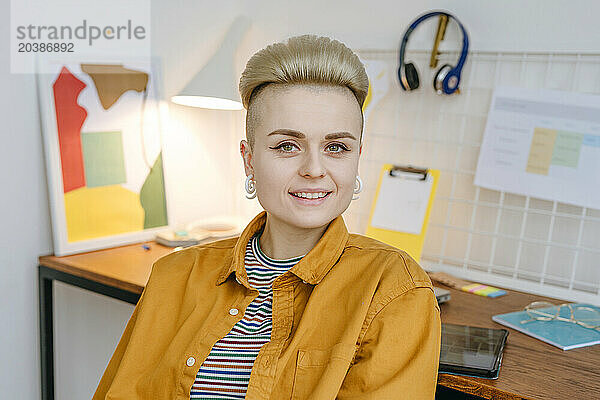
(410,242)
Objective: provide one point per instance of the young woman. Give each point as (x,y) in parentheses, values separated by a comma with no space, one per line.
(295,307)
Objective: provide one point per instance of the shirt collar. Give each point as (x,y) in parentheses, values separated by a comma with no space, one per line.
(311,268)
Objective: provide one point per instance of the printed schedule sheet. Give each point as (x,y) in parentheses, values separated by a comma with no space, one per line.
(543,144)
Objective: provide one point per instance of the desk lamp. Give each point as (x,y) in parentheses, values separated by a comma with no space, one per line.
(214,85)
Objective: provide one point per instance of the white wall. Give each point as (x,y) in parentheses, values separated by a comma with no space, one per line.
(201,147)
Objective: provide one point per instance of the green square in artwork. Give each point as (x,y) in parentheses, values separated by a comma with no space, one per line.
(103,158)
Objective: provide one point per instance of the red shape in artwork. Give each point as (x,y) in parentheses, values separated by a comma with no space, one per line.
(69,119)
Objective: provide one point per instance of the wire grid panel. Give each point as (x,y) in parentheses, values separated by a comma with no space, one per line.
(519,242)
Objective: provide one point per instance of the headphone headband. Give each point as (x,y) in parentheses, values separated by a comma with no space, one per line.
(464,51)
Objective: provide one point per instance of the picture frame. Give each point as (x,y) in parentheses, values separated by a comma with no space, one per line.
(102,128)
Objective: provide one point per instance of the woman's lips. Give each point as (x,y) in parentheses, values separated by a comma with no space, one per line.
(310,202)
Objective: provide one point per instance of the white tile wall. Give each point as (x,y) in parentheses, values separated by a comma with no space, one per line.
(495,237)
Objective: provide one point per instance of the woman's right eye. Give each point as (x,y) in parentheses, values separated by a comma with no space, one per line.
(285,147)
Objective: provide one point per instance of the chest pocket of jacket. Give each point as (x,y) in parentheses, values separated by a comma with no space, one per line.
(321,370)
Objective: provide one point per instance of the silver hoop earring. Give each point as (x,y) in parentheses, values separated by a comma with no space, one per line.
(250,187)
(357,187)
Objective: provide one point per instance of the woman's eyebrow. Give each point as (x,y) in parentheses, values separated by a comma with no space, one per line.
(300,135)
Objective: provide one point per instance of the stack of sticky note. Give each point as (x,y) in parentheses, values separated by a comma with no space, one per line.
(466,286)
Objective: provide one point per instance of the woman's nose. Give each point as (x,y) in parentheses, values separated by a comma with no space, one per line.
(312,165)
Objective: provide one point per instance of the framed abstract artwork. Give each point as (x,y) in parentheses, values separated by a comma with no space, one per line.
(102,131)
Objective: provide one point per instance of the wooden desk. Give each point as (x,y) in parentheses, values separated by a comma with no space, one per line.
(531,369)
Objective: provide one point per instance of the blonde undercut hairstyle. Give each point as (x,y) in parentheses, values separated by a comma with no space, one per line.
(307,59)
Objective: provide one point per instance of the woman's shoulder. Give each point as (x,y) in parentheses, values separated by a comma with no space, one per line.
(392,271)
(392,262)
(188,256)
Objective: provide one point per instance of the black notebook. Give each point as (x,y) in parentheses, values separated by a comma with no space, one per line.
(472,351)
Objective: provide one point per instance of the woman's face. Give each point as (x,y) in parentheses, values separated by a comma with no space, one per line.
(306,143)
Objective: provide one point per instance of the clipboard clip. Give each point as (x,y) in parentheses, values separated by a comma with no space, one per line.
(409,172)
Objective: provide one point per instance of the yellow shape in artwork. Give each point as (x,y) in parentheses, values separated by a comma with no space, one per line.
(102,211)
(540,154)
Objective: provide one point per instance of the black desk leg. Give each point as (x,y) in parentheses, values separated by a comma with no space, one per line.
(46,276)
(46,335)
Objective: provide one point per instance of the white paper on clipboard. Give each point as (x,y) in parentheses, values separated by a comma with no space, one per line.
(402,204)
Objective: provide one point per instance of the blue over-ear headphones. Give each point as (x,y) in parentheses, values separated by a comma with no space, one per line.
(447,78)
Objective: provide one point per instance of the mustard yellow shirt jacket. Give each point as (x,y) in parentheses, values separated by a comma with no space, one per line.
(354,319)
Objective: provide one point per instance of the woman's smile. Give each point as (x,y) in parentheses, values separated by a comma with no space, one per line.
(310,198)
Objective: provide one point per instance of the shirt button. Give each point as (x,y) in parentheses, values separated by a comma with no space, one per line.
(190,361)
(265,362)
(233,311)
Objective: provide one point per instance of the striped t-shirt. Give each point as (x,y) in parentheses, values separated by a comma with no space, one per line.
(226,371)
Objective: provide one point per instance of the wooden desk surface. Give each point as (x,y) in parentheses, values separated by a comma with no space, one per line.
(125,267)
(531,369)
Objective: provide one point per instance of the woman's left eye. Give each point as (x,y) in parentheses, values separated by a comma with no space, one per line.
(339,146)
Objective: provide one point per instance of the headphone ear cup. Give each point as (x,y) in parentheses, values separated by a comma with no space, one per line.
(438,80)
(412,76)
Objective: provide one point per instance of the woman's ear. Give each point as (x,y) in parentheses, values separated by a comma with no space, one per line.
(246,153)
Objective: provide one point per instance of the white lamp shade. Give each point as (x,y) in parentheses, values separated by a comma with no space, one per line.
(216,103)
(215,85)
